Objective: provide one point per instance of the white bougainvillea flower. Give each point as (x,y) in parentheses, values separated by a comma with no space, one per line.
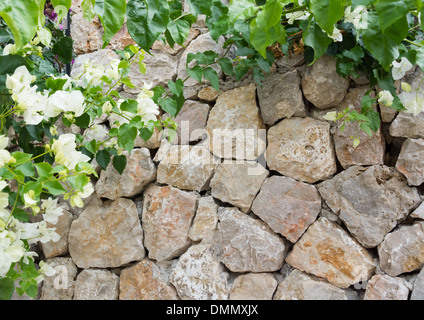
(406,87)
(4,141)
(64,101)
(147,109)
(358,17)
(385,97)
(331,116)
(47,234)
(6,158)
(66,153)
(298,15)
(93,73)
(9,49)
(146,92)
(400,68)
(336,35)
(412,101)
(113,71)
(20,79)
(51,210)
(95,132)
(76,199)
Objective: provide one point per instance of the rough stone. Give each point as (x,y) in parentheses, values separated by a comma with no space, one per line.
(205,221)
(287,206)
(96,284)
(321,84)
(199,275)
(191,122)
(187,167)
(59,248)
(106,235)
(419,212)
(370,201)
(202,43)
(301,286)
(327,251)
(402,250)
(384,287)
(87,36)
(121,39)
(167,216)
(407,125)
(234,125)
(281,97)
(146,281)
(138,173)
(248,244)
(60,286)
(160,68)
(237,182)
(418,288)
(208,94)
(410,161)
(371,150)
(254,286)
(301,148)
(166,48)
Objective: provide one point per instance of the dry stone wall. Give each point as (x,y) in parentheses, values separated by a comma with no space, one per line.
(259,197)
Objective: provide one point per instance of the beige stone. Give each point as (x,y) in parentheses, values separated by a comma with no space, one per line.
(53,249)
(327,251)
(205,221)
(96,284)
(167,216)
(253,286)
(301,148)
(384,287)
(145,281)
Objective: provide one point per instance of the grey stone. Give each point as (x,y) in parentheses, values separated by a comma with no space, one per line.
(205,221)
(198,275)
(408,125)
(237,182)
(60,286)
(138,173)
(302,286)
(287,206)
(384,287)
(248,244)
(321,84)
(402,250)
(418,288)
(96,284)
(370,201)
(410,161)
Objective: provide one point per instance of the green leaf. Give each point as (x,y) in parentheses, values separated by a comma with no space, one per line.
(103,158)
(54,187)
(43,169)
(241,9)
(389,11)
(200,6)
(126,136)
(21,16)
(211,75)
(20,214)
(270,15)
(196,73)
(129,105)
(327,12)
(83,121)
(55,84)
(176,87)
(112,17)
(61,7)
(179,30)
(119,163)
(63,48)
(317,39)
(21,157)
(145,133)
(26,169)
(7,287)
(147,20)
(384,46)
(226,66)
(169,105)
(87,7)
(261,39)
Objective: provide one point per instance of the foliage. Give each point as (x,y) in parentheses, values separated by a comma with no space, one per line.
(378,39)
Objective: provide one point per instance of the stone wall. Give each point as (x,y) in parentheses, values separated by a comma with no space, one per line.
(259,197)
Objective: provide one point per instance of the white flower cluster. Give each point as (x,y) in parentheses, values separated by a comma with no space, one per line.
(358,17)
(35,105)
(13,233)
(5,156)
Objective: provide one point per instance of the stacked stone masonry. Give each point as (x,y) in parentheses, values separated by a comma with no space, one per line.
(259,197)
